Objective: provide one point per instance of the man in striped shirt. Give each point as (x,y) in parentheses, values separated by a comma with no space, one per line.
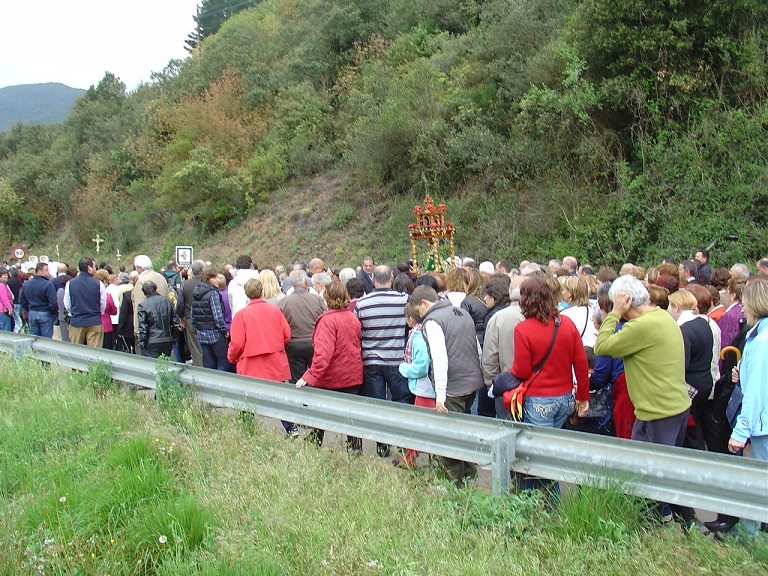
(384,334)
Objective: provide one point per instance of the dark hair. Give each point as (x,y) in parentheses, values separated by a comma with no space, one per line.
(607,274)
(505,265)
(40,265)
(403,266)
(668,282)
(703,297)
(243,262)
(336,296)
(172,265)
(704,253)
(497,288)
(536,299)
(84,263)
(422,293)
(208,273)
(690,266)
(427,280)
(720,277)
(355,288)
(402,284)
(149,288)
(411,311)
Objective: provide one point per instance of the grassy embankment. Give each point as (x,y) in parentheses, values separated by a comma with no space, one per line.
(95,479)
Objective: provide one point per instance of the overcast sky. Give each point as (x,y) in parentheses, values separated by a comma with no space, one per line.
(75,41)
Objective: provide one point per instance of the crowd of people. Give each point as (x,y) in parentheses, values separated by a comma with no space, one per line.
(674,354)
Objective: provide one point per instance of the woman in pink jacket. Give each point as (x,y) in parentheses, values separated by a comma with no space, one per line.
(337,362)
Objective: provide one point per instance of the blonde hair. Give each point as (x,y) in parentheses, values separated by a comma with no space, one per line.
(684,300)
(578,288)
(269,284)
(755,296)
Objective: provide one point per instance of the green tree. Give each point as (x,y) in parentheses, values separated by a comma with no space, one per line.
(209,17)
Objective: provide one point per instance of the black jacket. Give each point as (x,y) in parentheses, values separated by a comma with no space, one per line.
(202,313)
(157,320)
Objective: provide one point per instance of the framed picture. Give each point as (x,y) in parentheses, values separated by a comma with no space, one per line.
(184,256)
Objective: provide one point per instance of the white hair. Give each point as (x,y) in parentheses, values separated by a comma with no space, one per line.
(346,275)
(632,286)
(143,262)
(487,267)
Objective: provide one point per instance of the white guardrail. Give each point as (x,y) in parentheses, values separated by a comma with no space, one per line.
(703,480)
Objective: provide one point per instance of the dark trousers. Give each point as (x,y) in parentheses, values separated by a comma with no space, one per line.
(299,354)
(354,444)
(670,432)
(377,379)
(156,349)
(458,470)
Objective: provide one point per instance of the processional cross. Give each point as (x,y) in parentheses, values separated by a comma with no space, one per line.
(98,240)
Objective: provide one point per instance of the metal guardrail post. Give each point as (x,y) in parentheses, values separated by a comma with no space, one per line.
(502,457)
(22,347)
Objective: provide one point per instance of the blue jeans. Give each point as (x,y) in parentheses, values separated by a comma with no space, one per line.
(758,449)
(41,323)
(215,355)
(547,412)
(377,378)
(6,322)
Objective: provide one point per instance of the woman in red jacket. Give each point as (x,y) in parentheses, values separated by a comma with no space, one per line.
(337,362)
(549,400)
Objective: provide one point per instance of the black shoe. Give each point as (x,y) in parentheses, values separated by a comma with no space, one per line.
(718,526)
(382,450)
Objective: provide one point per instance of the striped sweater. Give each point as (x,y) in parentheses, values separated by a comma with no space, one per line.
(384,330)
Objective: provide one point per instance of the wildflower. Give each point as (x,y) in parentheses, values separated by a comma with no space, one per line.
(163,539)
(48,541)
(63,499)
(93,555)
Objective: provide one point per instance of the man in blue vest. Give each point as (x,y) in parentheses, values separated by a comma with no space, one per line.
(38,299)
(86,300)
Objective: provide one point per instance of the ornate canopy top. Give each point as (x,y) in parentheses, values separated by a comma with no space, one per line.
(431,226)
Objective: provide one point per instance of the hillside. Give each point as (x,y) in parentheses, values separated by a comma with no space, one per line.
(43,103)
(612,130)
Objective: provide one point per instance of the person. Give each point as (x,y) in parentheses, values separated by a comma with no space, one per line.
(456,283)
(337,362)
(549,400)
(143,265)
(752,374)
(106,317)
(415,367)
(699,345)
(207,317)
(651,345)
(259,336)
(125,337)
(498,348)
(455,363)
(365,275)
(157,323)
(734,313)
(270,287)
(236,291)
(576,296)
(702,259)
(301,310)
(38,300)
(86,299)
(383,342)
(172,275)
(689,272)
(184,310)
(6,302)
(474,304)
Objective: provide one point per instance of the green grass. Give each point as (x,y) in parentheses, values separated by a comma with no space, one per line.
(98,480)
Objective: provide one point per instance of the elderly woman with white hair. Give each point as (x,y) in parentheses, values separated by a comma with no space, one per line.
(651,345)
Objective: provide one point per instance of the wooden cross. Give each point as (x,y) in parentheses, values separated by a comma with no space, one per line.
(98,240)
(57,251)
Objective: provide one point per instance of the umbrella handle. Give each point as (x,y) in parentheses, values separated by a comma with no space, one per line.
(730,349)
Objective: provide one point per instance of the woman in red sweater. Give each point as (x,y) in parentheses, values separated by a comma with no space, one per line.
(549,400)
(337,362)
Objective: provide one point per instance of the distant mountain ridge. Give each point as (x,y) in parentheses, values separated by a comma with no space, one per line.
(44,103)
